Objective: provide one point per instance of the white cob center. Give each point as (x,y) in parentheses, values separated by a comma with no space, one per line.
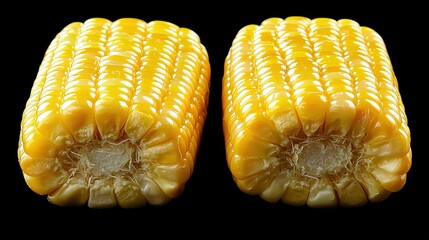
(102,160)
(320,156)
(106,159)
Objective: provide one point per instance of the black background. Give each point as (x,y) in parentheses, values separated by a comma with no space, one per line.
(210,194)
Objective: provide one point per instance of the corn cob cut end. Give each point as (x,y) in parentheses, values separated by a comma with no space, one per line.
(115,114)
(313,114)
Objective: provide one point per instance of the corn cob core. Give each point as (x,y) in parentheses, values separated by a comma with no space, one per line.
(115,114)
(312,113)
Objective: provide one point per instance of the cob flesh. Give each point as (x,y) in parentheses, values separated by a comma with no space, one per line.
(313,113)
(115,114)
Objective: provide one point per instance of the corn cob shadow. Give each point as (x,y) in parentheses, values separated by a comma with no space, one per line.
(115,114)
(312,113)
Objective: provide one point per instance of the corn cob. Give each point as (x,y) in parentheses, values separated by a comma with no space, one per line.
(115,114)
(313,114)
